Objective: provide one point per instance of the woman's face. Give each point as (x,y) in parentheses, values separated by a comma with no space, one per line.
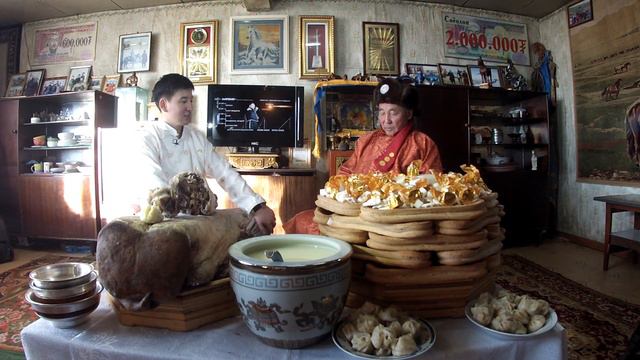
(393,118)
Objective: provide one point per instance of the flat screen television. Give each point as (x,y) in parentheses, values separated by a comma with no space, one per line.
(255,116)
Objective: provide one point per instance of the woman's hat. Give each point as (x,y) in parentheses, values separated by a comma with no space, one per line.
(392,91)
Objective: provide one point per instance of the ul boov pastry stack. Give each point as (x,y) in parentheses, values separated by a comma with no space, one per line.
(429,260)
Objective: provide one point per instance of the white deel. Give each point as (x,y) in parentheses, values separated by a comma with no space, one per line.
(161,155)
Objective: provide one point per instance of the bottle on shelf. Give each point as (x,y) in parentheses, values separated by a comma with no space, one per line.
(529,135)
(523,135)
(534,160)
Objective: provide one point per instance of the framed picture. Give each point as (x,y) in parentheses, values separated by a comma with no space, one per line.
(426,73)
(497,76)
(260,44)
(580,13)
(53,85)
(316,47)
(111,83)
(336,158)
(454,74)
(16,85)
(300,158)
(478,79)
(381,48)
(78,78)
(33,82)
(96,83)
(199,51)
(133,52)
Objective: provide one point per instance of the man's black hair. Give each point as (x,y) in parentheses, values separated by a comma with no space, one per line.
(168,85)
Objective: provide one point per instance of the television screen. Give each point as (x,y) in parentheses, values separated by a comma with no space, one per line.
(255,115)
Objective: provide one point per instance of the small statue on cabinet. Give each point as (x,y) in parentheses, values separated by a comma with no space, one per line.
(132,81)
(485,74)
(360,77)
(514,79)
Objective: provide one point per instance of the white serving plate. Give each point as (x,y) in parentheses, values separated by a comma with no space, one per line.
(552,320)
(344,345)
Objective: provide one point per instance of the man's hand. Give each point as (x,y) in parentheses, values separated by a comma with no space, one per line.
(265,219)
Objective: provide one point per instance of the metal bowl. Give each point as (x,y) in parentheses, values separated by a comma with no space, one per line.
(64,322)
(63,308)
(61,275)
(65,293)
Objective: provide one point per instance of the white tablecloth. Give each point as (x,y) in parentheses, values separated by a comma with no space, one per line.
(102,337)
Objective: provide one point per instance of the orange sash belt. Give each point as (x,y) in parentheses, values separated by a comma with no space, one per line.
(385,161)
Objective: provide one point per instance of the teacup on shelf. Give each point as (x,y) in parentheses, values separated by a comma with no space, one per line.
(40,140)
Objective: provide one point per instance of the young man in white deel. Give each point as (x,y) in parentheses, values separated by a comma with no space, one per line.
(171,146)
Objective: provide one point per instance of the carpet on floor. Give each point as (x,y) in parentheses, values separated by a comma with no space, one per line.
(597,326)
(15,312)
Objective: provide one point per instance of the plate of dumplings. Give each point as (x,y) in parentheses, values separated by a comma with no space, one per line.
(505,315)
(373,332)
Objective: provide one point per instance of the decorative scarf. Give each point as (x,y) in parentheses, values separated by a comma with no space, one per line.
(385,161)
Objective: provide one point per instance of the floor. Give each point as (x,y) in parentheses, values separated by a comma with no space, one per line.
(578,263)
(584,265)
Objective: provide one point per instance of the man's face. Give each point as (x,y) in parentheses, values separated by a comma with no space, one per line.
(177,109)
(393,117)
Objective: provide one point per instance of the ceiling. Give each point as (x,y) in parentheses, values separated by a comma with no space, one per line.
(20,11)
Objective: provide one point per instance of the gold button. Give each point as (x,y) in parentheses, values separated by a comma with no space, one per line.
(386,158)
(391,154)
(382,163)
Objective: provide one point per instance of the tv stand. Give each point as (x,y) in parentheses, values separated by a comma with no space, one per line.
(253,161)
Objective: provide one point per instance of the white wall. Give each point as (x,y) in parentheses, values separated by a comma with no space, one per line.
(421,42)
(578,213)
(420,30)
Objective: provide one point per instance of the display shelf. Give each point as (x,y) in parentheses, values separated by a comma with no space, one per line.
(84,114)
(513,146)
(76,173)
(505,121)
(45,148)
(67,122)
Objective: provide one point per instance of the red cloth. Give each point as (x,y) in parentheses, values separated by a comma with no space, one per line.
(417,145)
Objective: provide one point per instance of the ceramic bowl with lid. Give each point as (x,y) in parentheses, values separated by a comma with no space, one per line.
(293,297)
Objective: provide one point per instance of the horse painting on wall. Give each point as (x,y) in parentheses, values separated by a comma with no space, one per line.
(606,73)
(260,44)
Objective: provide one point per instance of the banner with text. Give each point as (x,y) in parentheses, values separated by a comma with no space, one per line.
(64,44)
(471,37)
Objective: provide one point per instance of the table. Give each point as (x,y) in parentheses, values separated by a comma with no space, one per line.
(102,337)
(627,238)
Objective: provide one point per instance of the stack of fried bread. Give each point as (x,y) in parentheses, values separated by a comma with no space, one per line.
(427,244)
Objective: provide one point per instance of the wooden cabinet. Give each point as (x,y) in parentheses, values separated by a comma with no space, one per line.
(58,206)
(452,116)
(47,205)
(287,191)
(9,208)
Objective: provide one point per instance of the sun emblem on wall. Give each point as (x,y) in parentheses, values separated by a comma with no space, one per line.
(382,42)
(198,61)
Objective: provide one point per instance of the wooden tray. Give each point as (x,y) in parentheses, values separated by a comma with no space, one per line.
(189,310)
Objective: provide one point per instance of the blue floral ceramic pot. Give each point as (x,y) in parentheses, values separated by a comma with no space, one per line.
(294,297)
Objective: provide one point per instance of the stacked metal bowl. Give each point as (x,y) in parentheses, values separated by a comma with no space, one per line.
(64,293)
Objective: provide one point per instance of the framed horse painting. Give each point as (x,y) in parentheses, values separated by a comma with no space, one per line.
(606,83)
(260,44)
(133,52)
